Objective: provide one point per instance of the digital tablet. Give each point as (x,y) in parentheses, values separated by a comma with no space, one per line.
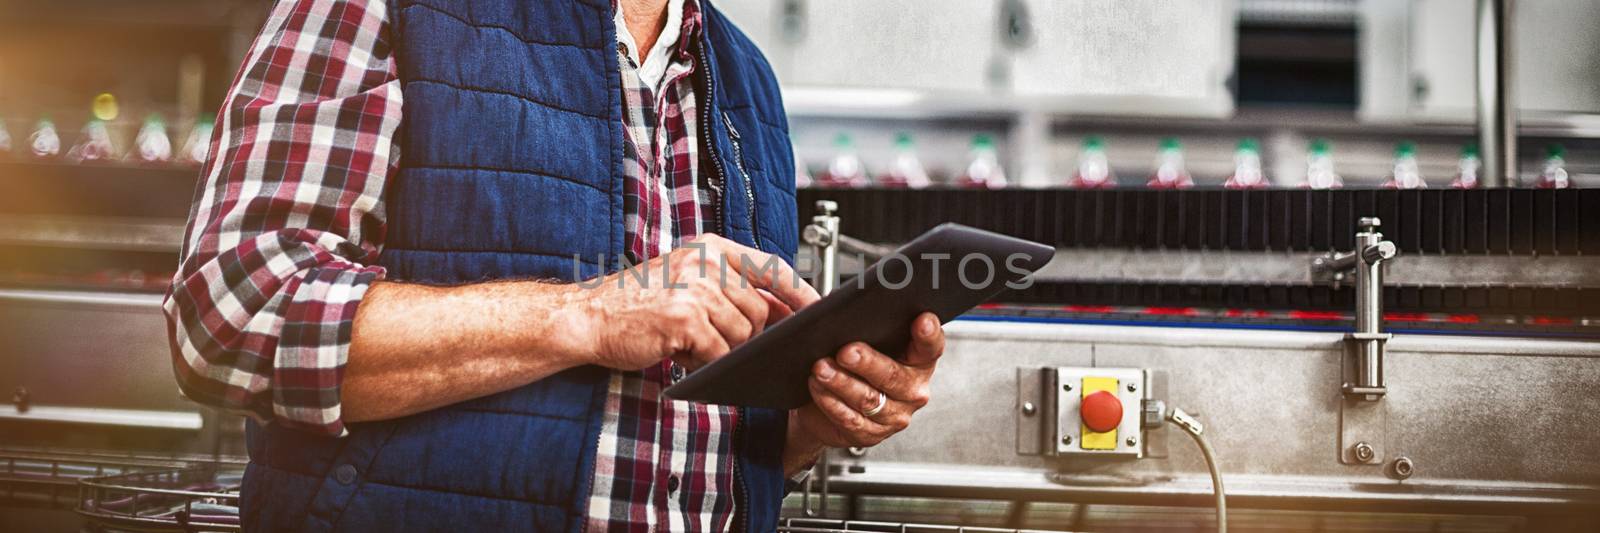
(946,271)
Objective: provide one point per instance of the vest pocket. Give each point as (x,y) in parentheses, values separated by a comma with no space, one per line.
(749,184)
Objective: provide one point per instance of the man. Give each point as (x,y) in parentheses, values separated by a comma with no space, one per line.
(378,267)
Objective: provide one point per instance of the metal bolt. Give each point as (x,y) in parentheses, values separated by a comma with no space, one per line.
(1067,440)
(828,207)
(1403,468)
(816,235)
(856,451)
(1133,388)
(1132,442)
(1368,223)
(1028,408)
(1364,452)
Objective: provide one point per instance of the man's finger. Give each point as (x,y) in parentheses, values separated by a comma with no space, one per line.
(927,342)
(730,321)
(853,390)
(750,303)
(776,309)
(705,345)
(879,370)
(767,271)
(859,428)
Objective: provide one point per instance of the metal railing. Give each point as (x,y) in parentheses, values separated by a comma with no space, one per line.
(134,492)
(820,525)
(202,498)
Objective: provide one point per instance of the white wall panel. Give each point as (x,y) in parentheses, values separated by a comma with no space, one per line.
(1129,48)
(1555,50)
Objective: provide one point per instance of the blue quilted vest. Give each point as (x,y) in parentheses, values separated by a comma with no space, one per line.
(512,151)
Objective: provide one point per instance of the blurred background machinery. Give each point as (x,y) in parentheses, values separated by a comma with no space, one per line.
(1206,169)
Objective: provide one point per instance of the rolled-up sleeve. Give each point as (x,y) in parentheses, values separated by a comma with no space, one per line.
(288,217)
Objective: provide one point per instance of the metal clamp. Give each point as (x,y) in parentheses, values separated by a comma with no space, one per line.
(823,236)
(1362,418)
(1367,262)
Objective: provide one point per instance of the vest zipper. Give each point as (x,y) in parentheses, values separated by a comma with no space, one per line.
(583,519)
(721,174)
(749,185)
(738,474)
(718,178)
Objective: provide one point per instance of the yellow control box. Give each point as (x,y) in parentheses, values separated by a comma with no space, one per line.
(1093,440)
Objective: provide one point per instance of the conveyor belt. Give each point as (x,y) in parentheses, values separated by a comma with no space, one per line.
(1459,241)
(1461,324)
(1434,221)
(1546,301)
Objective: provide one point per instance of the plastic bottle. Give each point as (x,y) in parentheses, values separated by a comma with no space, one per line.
(905,170)
(1407,174)
(1170,171)
(802,175)
(44,143)
(95,144)
(1554,174)
(1467,168)
(152,146)
(845,170)
(5,140)
(1319,167)
(1247,167)
(984,171)
(1094,168)
(195,149)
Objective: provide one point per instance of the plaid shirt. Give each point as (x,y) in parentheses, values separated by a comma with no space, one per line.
(285,231)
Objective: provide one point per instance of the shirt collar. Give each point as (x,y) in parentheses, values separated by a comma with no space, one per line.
(678,35)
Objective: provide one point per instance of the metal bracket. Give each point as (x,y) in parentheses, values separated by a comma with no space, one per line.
(1331,268)
(1363,431)
(1363,421)
(1030,411)
(1360,382)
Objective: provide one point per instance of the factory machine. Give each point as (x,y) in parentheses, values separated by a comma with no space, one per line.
(1369,359)
(94,432)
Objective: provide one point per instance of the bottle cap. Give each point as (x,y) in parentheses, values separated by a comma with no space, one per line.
(1469,150)
(1405,149)
(1320,147)
(982,140)
(1171,143)
(903,140)
(1093,142)
(843,140)
(1249,144)
(1555,150)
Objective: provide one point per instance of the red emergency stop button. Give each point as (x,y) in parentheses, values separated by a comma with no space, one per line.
(1101,412)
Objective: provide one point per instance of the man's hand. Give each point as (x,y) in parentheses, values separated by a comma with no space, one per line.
(692,305)
(846,386)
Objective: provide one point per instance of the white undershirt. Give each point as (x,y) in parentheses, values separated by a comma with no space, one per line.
(653,69)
